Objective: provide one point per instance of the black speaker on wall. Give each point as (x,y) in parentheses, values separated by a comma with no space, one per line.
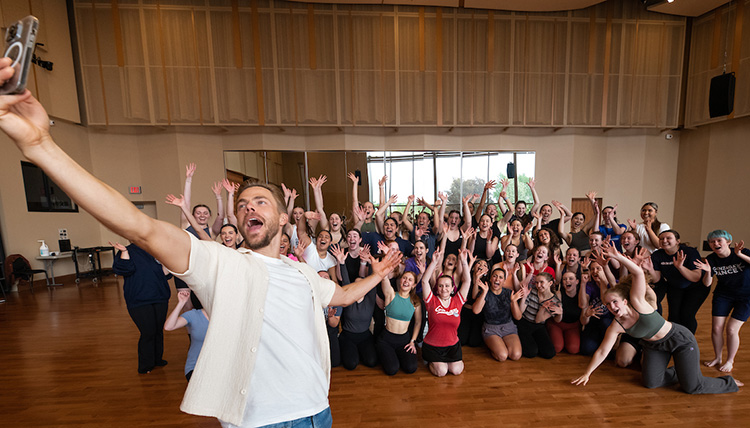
(511,170)
(721,95)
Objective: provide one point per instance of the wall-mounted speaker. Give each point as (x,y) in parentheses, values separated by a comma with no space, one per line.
(511,170)
(721,95)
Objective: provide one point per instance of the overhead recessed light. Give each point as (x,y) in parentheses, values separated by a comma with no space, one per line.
(670,1)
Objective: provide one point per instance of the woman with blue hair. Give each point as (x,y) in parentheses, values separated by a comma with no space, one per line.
(731,295)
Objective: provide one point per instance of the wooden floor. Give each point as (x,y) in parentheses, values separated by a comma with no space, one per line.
(69,359)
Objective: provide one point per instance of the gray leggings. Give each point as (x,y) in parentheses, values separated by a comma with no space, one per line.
(680,344)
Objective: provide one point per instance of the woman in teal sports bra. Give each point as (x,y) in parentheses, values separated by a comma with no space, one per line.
(395,346)
(661,340)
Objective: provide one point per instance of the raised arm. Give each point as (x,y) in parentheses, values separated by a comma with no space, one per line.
(561,228)
(180,202)
(407,223)
(380,213)
(437,219)
(463,257)
(27,124)
(187,191)
(174,320)
(479,302)
(638,287)
(437,258)
(518,302)
(563,209)
(738,247)
(317,186)
(355,194)
(532,186)
(483,200)
(466,213)
(231,189)
(381,188)
(216,227)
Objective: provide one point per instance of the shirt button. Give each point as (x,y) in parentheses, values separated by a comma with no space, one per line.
(254,349)
(243,392)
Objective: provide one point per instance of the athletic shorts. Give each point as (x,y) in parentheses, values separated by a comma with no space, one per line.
(739,306)
(501,330)
(442,354)
(632,341)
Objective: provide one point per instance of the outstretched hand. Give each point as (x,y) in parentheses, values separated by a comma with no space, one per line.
(22,117)
(739,246)
(385,265)
(580,380)
(174,200)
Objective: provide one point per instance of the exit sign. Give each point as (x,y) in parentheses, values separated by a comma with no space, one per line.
(135,190)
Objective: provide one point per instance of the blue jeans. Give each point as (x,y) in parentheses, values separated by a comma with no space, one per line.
(321,420)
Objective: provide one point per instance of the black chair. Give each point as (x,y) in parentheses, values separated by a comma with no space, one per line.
(21,270)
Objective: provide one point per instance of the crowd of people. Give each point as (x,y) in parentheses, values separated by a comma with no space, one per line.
(287,293)
(506,276)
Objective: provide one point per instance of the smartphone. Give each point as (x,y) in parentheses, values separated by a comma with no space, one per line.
(20,40)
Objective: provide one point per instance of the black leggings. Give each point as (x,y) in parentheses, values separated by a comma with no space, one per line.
(685,302)
(470,328)
(392,353)
(333,342)
(150,322)
(356,347)
(535,340)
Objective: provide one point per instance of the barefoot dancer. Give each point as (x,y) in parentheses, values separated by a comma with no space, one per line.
(732,293)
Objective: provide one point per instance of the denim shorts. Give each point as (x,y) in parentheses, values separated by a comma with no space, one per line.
(739,306)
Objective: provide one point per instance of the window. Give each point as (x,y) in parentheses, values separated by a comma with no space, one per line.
(42,194)
(456,174)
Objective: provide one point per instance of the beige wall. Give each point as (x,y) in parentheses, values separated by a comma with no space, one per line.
(713,181)
(627,170)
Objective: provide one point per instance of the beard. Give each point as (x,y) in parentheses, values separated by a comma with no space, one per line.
(262,240)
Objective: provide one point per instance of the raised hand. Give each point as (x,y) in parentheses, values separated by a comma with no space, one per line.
(216,188)
(490,185)
(364,254)
(552,307)
(519,294)
(118,246)
(385,265)
(739,246)
(393,199)
(585,262)
(229,186)
(190,170)
(382,248)
(558,259)
(183,295)
(443,197)
(418,232)
(359,214)
(421,266)
(591,194)
(337,252)
(703,265)
(470,232)
(595,311)
(483,287)
(382,180)
(532,183)
(679,259)
(632,224)
(287,192)
(466,199)
(505,183)
(174,200)
(312,215)
(353,177)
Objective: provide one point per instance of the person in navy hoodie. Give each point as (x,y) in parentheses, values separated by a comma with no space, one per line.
(147,298)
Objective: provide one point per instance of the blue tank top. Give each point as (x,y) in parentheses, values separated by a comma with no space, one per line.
(400,308)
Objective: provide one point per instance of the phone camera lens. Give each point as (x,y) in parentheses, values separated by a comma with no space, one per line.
(12,32)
